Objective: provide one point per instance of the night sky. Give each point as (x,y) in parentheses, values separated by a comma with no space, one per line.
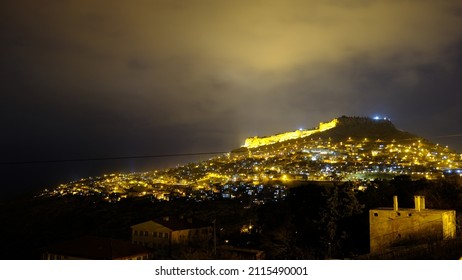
(88,79)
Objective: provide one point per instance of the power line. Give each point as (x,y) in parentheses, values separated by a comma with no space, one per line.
(106,158)
(162,155)
(447,136)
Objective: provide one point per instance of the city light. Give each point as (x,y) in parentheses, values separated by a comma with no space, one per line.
(241,174)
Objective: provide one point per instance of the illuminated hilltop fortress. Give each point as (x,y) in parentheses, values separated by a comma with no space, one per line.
(254,142)
(354,148)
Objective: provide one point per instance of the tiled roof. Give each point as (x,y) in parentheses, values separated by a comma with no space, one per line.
(174,223)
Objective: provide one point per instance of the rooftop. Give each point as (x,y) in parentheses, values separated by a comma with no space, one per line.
(181,223)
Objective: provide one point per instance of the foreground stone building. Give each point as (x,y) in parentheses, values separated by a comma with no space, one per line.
(391,228)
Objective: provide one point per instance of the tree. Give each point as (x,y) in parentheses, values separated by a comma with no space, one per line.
(311,221)
(340,205)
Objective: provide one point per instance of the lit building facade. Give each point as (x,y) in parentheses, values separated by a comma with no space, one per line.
(256,141)
(165,233)
(393,227)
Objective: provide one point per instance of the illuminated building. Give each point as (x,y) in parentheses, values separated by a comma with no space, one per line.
(391,228)
(255,142)
(164,234)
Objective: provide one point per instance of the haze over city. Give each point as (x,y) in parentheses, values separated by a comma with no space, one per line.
(95,79)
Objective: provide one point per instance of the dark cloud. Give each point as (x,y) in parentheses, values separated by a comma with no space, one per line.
(84,78)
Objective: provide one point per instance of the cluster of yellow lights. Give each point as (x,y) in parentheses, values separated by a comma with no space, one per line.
(256,141)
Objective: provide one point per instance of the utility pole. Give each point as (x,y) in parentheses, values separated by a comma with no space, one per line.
(214,237)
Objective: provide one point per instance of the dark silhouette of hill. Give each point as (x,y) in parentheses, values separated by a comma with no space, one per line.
(361,127)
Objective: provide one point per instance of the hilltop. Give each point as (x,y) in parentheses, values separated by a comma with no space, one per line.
(346,148)
(360,127)
(338,129)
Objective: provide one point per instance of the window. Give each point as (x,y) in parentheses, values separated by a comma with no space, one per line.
(376,214)
(136,233)
(154,234)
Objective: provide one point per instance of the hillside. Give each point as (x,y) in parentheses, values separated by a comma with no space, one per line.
(346,148)
(281,185)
